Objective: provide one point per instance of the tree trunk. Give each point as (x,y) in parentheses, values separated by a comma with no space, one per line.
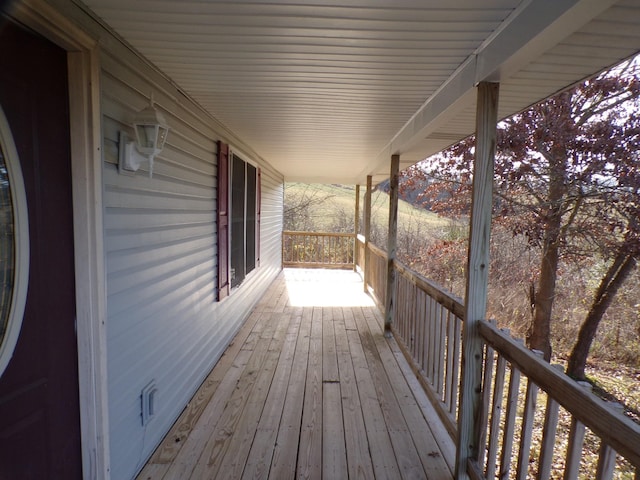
(610,284)
(540,336)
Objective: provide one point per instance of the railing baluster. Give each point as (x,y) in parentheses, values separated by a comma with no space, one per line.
(415,329)
(486,397)
(412,317)
(574,448)
(343,250)
(327,243)
(441,337)
(606,462)
(400,307)
(548,436)
(527,430)
(430,336)
(333,248)
(455,384)
(424,337)
(448,399)
(408,310)
(328,249)
(436,346)
(336,249)
(496,414)
(510,422)
(411,314)
(607,455)
(427,339)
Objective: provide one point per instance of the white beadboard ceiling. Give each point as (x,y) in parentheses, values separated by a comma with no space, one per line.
(327,90)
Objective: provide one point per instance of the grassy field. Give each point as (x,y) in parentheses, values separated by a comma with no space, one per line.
(339,200)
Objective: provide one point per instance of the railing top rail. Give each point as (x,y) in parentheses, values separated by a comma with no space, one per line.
(448,300)
(318,234)
(377,250)
(617,431)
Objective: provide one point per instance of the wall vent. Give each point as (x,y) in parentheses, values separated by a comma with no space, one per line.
(148,399)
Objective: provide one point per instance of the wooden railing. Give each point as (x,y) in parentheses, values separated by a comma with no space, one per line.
(428,327)
(318,250)
(377,274)
(524,400)
(533,421)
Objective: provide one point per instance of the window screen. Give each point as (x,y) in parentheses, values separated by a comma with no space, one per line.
(243,219)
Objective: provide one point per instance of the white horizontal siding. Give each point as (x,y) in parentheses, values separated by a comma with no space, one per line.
(164,322)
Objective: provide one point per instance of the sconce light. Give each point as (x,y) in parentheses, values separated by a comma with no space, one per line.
(151,132)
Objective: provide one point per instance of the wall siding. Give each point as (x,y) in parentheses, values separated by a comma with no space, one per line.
(164,322)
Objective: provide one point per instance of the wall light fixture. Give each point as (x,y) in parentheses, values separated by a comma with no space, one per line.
(151,131)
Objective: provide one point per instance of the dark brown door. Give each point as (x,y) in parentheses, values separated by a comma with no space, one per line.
(39,407)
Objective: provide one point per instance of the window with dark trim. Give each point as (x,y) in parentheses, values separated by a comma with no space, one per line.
(238,219)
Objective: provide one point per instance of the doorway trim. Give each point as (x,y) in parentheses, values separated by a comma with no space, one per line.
(83,67)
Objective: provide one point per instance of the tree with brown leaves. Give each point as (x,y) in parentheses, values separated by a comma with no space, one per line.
(567,176)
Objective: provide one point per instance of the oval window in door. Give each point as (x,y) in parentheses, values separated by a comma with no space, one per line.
(14,245)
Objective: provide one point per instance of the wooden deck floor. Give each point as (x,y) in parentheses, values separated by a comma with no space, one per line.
(309,388)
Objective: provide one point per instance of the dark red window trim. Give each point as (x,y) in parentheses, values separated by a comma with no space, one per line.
(223,220)
(258,212)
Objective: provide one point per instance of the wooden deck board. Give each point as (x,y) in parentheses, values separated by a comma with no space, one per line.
(307,390)
(334,453)
(218,443)
(358,456)
(235,458)
(259,460)
(427,448)
(383,457)
(405,452)
(284,460)
(310,446)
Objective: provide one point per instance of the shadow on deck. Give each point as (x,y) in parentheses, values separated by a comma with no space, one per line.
(309,388)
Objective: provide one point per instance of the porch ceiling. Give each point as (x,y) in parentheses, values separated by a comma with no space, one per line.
(327,90)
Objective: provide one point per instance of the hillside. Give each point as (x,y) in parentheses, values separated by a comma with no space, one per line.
(332,205)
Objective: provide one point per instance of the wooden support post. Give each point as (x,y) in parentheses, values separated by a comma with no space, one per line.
(392,238)
(356,229)
(477,276)
(367,233)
